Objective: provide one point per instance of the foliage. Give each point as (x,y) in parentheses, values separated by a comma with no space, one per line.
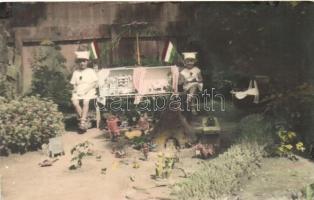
(245,37)
(79,152)
(222,175)
(256,127)
(27,123)
(308,192)
(293,109)
(137,142)
(6,88)
(288,144)
(164,165)
(50,76)
(104,53)
(3,100)
(287,105)
(246,40)
(225,80)
(142,28)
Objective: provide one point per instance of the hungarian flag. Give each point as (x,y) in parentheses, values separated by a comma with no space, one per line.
(169,53)
(93,50)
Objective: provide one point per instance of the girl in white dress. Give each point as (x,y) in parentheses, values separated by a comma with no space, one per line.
(84,81)
(192,78)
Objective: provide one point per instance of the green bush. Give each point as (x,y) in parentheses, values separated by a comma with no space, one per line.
(28,123)
(256,127)
(221,176)
(293,109)
(6,88)
(50,76)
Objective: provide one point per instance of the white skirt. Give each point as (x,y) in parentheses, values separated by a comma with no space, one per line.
(89,95)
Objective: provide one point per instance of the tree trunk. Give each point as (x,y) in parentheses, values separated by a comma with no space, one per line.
(173,125)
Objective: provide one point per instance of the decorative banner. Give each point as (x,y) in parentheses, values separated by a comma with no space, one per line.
(169,52)
(94,50)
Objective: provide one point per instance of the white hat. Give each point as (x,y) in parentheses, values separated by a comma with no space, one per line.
(82,55)
(189,55)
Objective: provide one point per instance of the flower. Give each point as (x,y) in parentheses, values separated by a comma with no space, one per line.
(300,147)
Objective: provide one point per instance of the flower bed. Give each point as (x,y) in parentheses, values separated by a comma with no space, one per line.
(222,175)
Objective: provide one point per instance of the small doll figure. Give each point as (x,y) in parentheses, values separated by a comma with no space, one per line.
(113,127)
(143,123)
(204,150)
(145,150)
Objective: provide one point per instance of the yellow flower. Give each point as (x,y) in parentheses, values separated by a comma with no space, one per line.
(288,146)
(291,135)
(281,149)
(300,147)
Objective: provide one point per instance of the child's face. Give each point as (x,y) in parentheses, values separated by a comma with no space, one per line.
(83,63)
(189,63)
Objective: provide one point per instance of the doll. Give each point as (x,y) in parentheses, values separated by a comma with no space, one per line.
(113,127)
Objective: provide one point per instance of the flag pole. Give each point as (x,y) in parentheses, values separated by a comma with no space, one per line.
(180,57)
(138,50)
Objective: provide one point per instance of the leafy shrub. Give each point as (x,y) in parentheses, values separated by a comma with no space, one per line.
(257,128)
(50,76)
(79,152)
(28,123)
(294,108)
(6,88)
(222,175)
(164,165)
(3,100)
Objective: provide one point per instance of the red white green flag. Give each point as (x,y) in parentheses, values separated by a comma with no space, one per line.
(93,50)
(169,53)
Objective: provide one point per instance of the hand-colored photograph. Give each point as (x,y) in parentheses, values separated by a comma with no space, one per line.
(157,100)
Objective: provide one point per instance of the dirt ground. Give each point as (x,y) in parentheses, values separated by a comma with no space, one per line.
(23,179)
